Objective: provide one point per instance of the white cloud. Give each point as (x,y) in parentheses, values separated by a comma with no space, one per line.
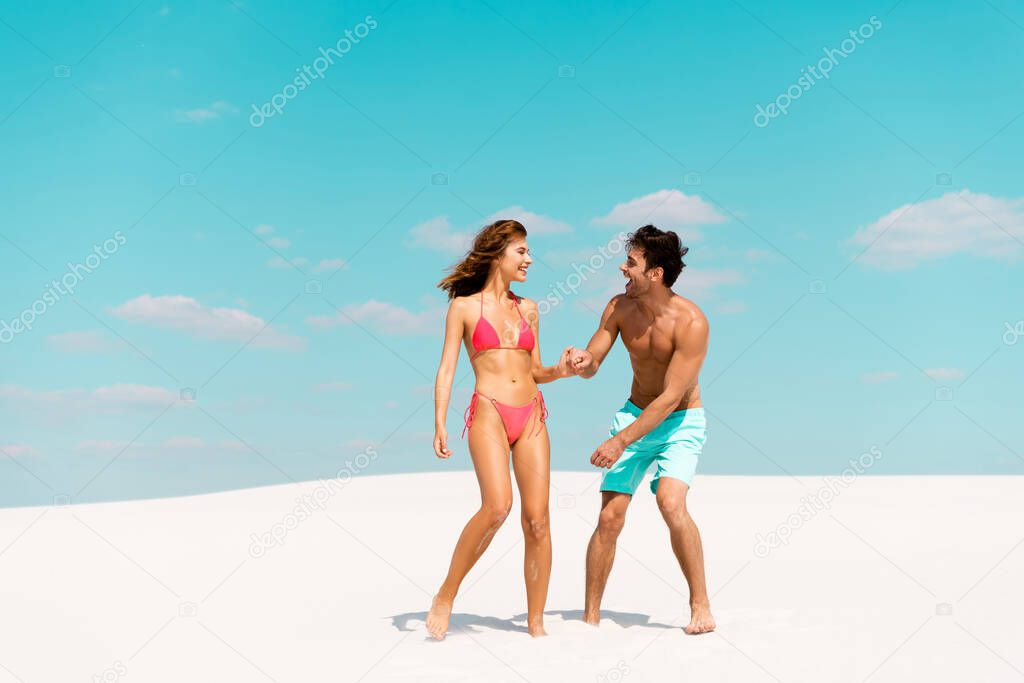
(331,386)
(175,445)
(201,114)
(700,284)
(106,446)
(329,264)
(281,263)
(953,223)
(264,229)
(177,312)
(945,373)
(115,398)
(19,450)
(438,233)
(667,209)
(757,255)
(164,11)
(731,307)
(382,316)
(184,443)
(82,342)
(534,223)
(279,242)
(879,377)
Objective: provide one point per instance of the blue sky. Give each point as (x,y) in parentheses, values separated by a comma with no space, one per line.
(858,257)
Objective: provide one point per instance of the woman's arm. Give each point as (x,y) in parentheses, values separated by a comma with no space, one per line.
(543,374)
(453,327)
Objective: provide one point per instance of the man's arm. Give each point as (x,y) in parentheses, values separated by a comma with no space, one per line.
(691,340)
(601,343)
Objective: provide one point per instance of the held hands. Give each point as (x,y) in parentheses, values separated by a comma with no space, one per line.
(579,360)
(565,363)
(441,443)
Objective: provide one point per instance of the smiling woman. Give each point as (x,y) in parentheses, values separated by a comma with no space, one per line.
(516,422)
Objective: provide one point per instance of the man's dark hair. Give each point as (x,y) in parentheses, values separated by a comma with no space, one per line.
(659,248)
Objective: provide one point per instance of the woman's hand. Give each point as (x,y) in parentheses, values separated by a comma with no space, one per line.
(564,366)
(441,443)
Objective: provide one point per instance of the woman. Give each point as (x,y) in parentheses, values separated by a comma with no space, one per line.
(506,411)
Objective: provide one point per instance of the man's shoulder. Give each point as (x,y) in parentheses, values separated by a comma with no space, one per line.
(618,301)
(690,315)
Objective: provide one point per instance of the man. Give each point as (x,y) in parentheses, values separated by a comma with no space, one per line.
(662,423)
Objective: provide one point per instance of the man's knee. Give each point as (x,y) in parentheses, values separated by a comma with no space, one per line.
(672,505)
(611,521)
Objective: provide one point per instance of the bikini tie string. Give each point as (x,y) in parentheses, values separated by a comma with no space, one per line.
(467,417)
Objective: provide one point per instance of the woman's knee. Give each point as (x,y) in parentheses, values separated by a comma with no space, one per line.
(496,511)
(536,526)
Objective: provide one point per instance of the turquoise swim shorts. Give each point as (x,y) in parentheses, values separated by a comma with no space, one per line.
(674,446)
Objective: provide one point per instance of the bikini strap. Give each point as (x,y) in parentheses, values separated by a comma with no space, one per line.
(515,302)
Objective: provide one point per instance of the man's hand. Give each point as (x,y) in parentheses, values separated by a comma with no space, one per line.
(581,361)
(608,453)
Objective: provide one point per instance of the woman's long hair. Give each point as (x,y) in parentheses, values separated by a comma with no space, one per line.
(469,275)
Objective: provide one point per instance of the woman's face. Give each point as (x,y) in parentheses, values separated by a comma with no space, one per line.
(515,261)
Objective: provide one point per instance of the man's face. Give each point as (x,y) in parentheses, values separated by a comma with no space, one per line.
(637,283)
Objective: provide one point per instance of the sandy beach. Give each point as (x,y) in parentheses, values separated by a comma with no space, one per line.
(896,579)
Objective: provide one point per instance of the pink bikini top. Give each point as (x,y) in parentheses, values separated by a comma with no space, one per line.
(485,337)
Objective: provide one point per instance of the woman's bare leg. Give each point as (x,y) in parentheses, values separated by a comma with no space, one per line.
(531,459)
(489,449)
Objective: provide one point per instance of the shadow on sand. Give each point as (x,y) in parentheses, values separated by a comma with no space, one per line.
(517,624)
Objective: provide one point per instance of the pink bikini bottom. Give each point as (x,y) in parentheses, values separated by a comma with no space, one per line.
(513,417)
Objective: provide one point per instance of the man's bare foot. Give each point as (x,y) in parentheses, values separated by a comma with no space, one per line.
(437,618)
(592,618)
(701,620)
(536,628)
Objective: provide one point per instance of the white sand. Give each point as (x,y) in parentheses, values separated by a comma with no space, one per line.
(166,590)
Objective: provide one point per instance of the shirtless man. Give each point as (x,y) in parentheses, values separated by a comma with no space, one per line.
(662,423)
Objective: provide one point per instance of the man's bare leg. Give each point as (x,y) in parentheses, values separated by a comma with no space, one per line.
(490,460)
(601,551)
(687,547)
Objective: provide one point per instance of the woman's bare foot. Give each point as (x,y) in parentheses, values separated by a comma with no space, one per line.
(536,628)
(701,620)
(592,619)
(438,617)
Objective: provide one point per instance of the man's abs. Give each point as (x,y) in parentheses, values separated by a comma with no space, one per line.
(642,393)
